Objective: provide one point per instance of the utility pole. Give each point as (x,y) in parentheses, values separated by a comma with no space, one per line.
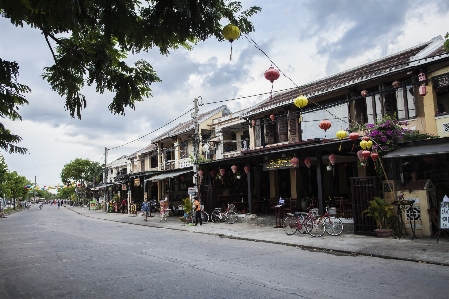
(105,177)
(34,189)
(196,141)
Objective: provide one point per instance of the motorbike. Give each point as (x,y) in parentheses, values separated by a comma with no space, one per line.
(41,205)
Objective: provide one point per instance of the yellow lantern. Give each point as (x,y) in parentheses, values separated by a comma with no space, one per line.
(300,102)
(369,144)
(341,134)
(231,33)
(363,144)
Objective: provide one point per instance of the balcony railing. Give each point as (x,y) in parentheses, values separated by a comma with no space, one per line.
(168,165)
(185,163)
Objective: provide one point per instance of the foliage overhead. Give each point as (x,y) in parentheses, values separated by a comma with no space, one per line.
(446,42)
(93,39)
(15,185)
(11,97)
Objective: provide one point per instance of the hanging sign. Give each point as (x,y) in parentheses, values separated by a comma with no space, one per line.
(137,182)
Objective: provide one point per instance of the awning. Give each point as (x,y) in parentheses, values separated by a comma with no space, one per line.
(169,175)
(420,150)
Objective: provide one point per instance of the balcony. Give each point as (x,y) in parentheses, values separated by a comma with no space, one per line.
(183,163)
(167,165)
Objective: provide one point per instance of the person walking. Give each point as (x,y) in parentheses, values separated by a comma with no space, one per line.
(123,206)
(197,208)
(59,204)
(145,208)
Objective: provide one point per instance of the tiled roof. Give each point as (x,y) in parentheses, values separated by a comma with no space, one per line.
(189,125)
(397,62)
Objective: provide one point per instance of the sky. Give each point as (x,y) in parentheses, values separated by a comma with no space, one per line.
(307,39)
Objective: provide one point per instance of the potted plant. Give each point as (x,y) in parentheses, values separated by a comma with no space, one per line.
(381,211)
(188,209)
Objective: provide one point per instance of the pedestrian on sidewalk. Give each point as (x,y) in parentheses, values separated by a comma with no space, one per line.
(123,206)
(145,208)
(59,204)
(197,209)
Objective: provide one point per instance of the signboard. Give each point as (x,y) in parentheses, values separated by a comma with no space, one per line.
(277,164)
(444,215)
(192,190)
(93,204)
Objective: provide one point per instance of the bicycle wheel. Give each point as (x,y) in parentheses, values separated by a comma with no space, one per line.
(214,217)
(333,226)
(290,226)
(315,227)
(204,216)
(231,217)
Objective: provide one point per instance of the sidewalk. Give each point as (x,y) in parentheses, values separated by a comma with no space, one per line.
(423,250)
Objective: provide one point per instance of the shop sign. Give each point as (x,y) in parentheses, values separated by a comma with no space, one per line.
(444,215)
(274,164)
(137,182)
(192,190)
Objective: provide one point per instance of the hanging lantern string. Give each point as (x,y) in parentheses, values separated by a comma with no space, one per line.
(251,41)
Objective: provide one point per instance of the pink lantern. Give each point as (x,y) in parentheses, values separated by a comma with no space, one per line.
(360,156)
(396,84)
(364,93)
(272,117)
(307,162)
(374,156)
(354,136)
(295,161)
(246,169)
(200,173)
(366,154)
(332,159)
(271,75)
(234,168)
(325,125)
(253,122)
(422,90)
(222,171)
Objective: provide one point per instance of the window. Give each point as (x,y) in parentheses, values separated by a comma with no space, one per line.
(184,150)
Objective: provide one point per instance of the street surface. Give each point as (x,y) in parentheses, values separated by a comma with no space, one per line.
(56,253)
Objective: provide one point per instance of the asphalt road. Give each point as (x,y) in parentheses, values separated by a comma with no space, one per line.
(55,253)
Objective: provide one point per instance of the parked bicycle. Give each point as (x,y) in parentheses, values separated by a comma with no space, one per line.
(204,215)
(228,215)
(313,224)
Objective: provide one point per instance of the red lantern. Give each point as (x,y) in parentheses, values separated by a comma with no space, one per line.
(200,173)
(396,84)
(307,162)
(295,161)
(332,159)
(222,171)
(246,169)
(374,156)
(364,93)
(354,136)
(422,90)
(271,74)
(366,138)
(325,125)
(253,122)
(182,178)
(272,117)
(234,168)
(366,154)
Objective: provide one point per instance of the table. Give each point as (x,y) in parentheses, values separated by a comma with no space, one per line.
(401,207)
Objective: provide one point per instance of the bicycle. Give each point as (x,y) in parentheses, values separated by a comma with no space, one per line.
(204,215)
(298,222)
(316,226)
(229,215)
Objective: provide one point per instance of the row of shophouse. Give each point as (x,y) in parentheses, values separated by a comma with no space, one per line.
(247,157)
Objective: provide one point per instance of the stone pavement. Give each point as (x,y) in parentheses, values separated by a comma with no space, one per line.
(422,250)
